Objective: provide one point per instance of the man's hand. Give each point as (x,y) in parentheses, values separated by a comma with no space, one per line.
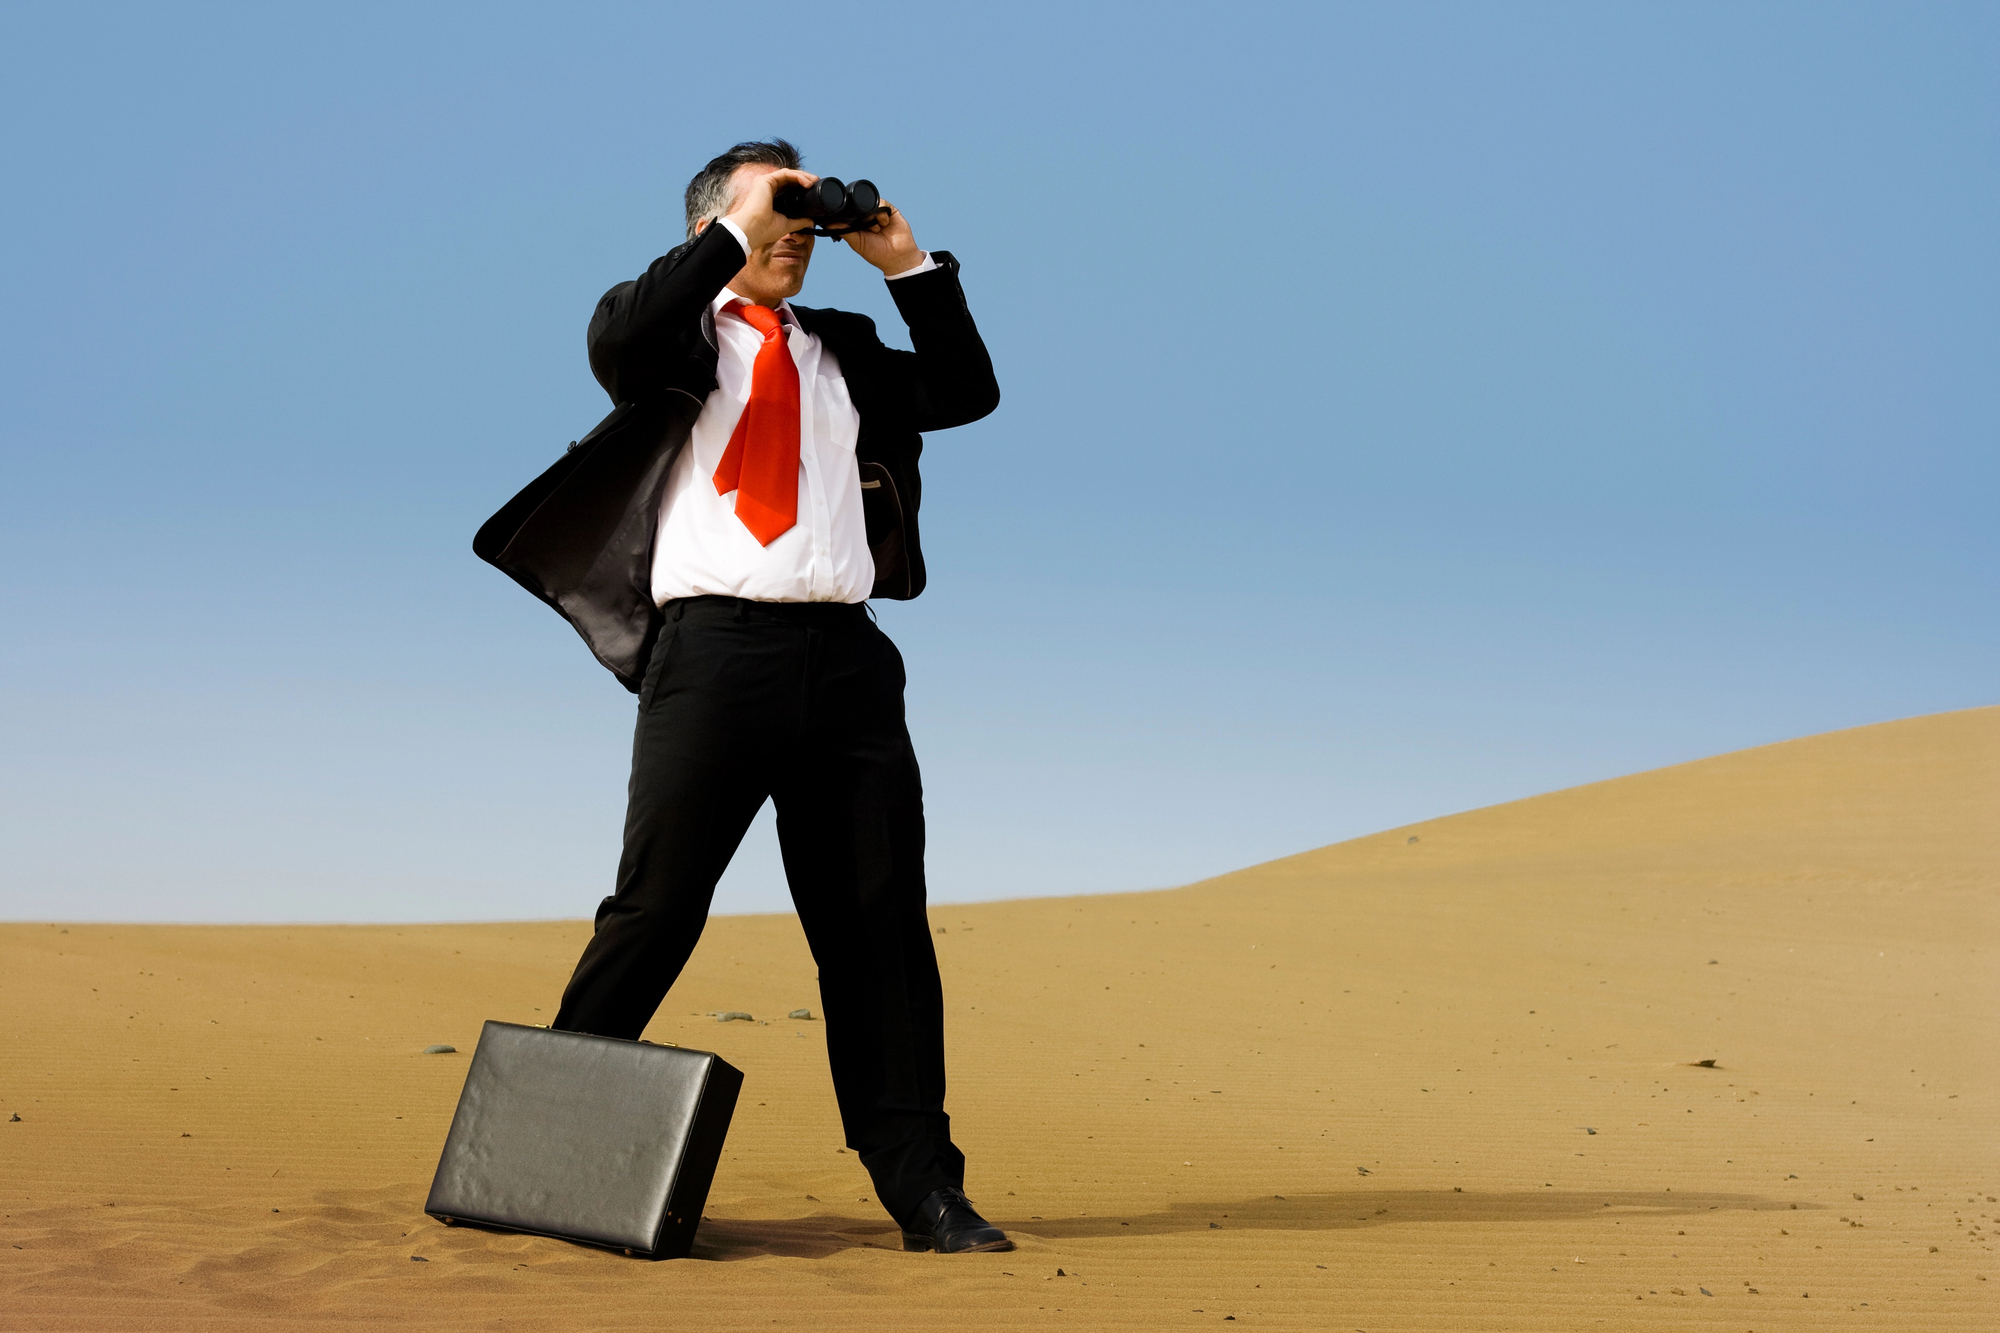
(888,244)
(753,212)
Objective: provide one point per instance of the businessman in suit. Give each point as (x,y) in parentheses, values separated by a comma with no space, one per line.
(715,543)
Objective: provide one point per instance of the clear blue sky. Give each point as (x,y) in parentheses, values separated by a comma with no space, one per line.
(1407,408)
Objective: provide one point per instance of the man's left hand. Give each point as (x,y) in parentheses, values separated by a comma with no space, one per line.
(888,244)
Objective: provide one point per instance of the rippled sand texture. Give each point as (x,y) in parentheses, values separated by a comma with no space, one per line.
(1442,1078)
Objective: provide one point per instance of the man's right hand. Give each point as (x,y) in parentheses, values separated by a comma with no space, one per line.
(762,223)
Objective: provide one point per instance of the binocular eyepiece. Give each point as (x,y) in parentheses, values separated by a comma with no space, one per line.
(835,208)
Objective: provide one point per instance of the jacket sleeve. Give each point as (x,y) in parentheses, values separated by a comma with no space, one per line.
(637,323)
(948,380)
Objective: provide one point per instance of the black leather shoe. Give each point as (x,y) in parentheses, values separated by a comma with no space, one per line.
(946,1222)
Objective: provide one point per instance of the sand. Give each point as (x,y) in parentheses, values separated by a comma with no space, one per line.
(1441,1078)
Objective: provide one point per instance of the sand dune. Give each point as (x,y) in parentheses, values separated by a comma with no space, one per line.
(1440,1078)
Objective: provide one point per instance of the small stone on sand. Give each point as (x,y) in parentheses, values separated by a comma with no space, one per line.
(734,1015)
(440,1050)
(800,1013)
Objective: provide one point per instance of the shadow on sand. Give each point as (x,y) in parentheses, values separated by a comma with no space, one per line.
(823,1235)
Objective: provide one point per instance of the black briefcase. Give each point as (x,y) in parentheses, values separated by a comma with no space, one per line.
(592,1139)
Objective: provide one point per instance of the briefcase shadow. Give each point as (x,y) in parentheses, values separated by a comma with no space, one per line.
(728,1239)
(820,1236)
(492,1229)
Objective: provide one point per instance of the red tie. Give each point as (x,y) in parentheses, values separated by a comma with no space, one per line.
(761,463)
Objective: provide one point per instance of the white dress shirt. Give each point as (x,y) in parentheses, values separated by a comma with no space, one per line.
(702,547)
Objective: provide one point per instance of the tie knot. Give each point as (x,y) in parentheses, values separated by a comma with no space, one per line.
(759,317)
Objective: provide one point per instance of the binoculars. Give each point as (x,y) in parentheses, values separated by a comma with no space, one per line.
(835,208)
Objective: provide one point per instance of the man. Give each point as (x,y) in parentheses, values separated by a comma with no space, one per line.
(714,540)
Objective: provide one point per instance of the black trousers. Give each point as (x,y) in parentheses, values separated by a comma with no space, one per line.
(801,703)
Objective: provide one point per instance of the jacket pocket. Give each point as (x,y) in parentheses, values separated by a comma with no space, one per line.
(882,509)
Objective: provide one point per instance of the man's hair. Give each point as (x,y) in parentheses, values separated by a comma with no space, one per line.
(708,192)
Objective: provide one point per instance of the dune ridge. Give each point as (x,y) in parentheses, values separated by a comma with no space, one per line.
(1442,1077)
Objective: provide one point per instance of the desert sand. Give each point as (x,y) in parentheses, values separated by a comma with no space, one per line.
(1448,1077)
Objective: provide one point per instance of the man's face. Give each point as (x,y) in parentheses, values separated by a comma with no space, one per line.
(775,271)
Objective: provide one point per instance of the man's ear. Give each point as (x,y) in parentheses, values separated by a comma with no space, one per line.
(701,226)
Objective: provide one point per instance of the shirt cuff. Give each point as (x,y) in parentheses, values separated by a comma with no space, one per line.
(927,266)
(742,239)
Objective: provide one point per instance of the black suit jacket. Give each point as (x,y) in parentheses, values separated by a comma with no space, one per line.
(580,536)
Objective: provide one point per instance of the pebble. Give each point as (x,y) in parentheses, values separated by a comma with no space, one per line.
(733,1015)
(418,1259)
(14,1119)
(800,1013)
(440,1050)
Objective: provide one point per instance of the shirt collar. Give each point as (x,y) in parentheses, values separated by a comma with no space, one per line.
(725,296)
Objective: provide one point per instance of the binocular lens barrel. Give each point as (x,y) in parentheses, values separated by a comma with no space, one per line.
(823,199)
(835,206)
